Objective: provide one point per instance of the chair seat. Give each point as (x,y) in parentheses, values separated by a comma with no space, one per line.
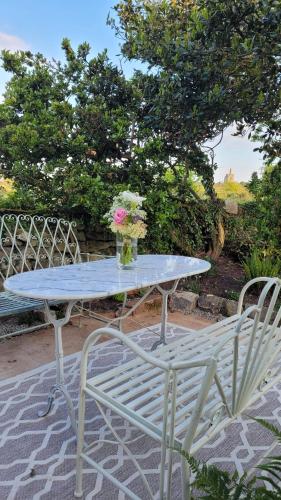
(135,389)
(11,304)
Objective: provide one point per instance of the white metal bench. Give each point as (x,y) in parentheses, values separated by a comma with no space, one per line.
(33,242)
(186,392)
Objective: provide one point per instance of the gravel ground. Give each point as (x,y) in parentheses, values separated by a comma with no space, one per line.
(13,324)
(207,315)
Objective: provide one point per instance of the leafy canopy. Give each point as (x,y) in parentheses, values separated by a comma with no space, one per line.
(211,63)
(74,134)
(62,128)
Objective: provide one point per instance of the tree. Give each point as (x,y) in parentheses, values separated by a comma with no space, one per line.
(254,184)
(210,64)
(213,62)
(269,203)
(62,129)
(73,134)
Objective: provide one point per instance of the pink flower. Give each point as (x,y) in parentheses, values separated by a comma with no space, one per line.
(120,215)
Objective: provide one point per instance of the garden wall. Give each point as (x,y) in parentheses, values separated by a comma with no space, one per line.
(95,240)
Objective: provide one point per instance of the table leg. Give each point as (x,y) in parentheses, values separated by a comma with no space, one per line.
(164,313)
(59,386)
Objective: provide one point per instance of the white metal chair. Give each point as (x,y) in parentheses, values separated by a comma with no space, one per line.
(186,392)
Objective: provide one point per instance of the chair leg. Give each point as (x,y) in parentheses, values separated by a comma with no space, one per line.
(80,441)
(163,468)
(169,476)
(185,479)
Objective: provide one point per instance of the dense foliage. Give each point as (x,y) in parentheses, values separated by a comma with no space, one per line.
(213,483)
(241,232)
(213,63)
(71,139)
(63,128)
(234,191)
(256,232)
(75,133)
(268,198)
(257,265)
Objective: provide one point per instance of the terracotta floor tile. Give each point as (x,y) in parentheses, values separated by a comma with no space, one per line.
(28,351)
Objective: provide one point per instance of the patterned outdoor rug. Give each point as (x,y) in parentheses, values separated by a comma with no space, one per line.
(37,455)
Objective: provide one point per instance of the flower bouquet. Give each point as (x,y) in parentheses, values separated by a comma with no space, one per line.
(126,219)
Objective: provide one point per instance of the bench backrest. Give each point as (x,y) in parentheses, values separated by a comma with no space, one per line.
(33,242)
(263,343)
(248,363)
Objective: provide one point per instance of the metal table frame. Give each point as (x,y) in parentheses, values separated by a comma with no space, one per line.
(58,324)
(77,284)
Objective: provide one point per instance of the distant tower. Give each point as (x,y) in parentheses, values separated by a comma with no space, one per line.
(229,177)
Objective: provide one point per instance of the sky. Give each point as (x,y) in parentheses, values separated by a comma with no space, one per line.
(40,26)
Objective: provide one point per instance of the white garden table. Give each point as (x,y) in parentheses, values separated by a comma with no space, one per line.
(99,279)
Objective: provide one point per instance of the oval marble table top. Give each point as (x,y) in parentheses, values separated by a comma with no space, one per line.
(102,278)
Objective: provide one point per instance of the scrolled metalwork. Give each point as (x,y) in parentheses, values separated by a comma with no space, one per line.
(10,217)
(43,256)
(46,240)
(24,217)
(38,218)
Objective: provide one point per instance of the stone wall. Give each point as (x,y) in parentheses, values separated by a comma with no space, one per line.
(218,307)
(95,240)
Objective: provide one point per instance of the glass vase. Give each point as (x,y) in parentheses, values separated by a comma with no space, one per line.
(126,251)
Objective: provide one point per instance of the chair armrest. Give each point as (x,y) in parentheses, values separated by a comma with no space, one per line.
(232,335)
(215,353)
(182,365)
(245,315)
(114,333)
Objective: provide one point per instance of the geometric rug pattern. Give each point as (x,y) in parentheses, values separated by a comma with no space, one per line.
(37,455)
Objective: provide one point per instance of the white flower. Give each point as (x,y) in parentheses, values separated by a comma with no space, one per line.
(132,197)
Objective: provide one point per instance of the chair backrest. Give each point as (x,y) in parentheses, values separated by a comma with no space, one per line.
(246,356)
(33,242)
(261,346)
